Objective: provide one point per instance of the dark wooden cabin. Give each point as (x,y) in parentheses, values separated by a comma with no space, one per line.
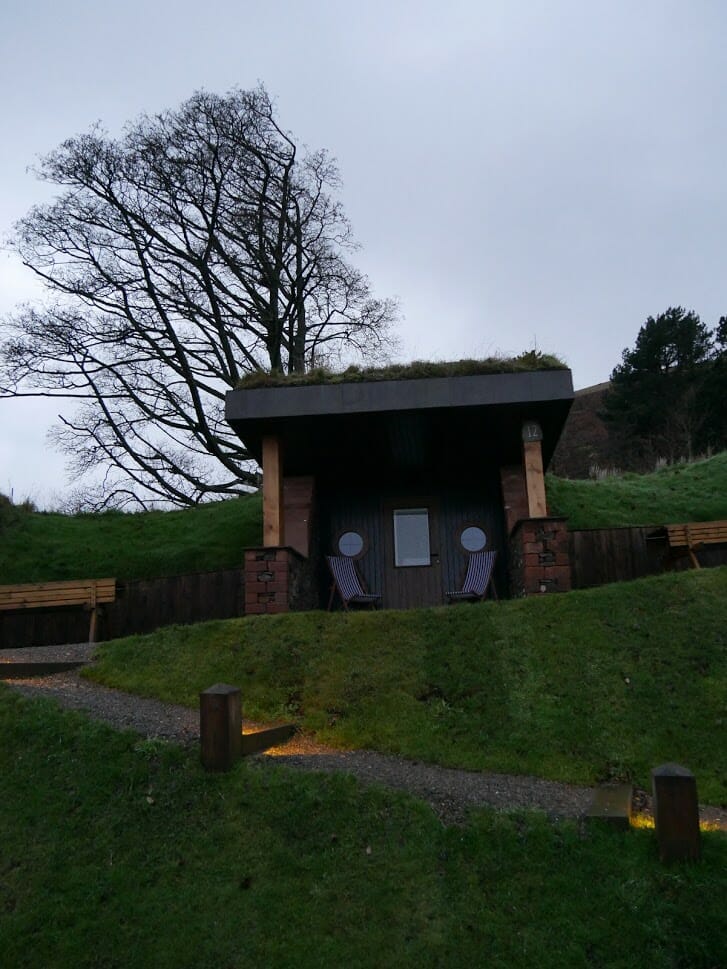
(406,476)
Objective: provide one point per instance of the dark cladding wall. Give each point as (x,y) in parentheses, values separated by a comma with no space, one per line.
(367,510)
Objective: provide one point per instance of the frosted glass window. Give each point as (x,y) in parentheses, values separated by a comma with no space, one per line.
(473,539)
(350,544)
(411,537)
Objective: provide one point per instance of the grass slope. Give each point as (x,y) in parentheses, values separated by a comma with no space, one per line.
(37,547)
(682,493)
(597,684)
(128,855)
(40,546)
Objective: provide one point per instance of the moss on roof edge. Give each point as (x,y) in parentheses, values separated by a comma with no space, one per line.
(417,370)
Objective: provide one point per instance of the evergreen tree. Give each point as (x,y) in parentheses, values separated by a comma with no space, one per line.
(665,394)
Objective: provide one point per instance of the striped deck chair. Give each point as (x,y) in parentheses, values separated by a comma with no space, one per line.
(478,580)
(347,583)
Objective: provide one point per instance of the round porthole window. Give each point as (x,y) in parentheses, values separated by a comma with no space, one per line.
(473,539)
(350,544)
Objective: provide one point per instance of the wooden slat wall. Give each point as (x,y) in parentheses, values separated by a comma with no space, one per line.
(362,510)
(481,507)
(602,555)
(606,555)
(147,604)
(141,606)
(44,627)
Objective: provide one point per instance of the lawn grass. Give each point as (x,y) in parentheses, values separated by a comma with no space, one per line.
(46,546)
(40,546)
(588,686)
(681,493)
(120,852)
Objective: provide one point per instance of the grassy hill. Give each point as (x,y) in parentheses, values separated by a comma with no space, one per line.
(41,546)
(598,684)
(38,546)
(681,493)
(130,855)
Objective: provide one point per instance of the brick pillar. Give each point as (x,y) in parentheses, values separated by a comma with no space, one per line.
(279,580)
(539,558)
(267,580)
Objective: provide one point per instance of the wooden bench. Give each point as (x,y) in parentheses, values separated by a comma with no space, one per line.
(686,540)
(88,593)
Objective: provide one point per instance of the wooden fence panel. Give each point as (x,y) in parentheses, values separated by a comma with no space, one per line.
(44,627)
(146,604)
(597,555)
(141,606)
(601,555)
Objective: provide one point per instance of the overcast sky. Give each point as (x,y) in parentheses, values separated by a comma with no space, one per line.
(519,173)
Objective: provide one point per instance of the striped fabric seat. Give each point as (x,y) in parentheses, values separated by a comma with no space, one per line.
(347,583)
(478,580)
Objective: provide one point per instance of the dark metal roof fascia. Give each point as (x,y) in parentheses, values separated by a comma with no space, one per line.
(426,393)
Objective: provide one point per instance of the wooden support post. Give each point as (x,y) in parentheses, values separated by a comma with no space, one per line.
(692,549)
(93,626)
(273,525)
(534,474)
(676,812)
(220,726)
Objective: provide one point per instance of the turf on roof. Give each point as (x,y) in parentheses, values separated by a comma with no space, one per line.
(532,360)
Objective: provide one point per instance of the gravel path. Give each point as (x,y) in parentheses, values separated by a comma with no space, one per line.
(450,792)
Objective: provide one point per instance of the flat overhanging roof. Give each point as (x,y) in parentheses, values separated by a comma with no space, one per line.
(423,419)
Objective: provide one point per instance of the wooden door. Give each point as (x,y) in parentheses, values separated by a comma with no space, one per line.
(412,569)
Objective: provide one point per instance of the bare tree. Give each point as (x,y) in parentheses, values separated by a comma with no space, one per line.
(200,246)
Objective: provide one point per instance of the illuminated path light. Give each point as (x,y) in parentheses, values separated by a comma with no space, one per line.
(222,740)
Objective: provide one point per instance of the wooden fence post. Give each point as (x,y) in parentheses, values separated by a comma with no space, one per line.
(676,812)
(220,726)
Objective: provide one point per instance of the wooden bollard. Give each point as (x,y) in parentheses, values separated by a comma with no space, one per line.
(676,812)
(220,726)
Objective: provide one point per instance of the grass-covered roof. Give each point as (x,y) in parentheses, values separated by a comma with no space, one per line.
(531,360)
